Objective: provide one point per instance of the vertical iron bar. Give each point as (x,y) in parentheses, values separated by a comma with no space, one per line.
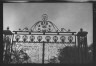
(43,52)
(75,40)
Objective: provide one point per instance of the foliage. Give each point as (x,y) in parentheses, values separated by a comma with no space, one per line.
(53,60)
(75,55)
(19,57)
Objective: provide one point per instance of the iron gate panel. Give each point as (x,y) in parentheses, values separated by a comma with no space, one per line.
(33,50)
(52,52)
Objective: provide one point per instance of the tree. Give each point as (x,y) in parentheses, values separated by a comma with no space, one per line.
(75,55)
(68,55)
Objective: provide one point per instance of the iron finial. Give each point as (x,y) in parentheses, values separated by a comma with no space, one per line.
(45,17)
(8,28)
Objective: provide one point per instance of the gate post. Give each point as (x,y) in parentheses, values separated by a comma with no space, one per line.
(82,45)
(7,43)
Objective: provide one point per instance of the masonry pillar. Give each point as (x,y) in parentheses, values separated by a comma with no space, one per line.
(7,37)
(82,45)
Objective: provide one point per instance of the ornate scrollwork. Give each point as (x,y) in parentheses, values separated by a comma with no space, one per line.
(48,38)
(32,38)
(44,25)
(24,38)
(45,17)
(81,38)
(70,38)
(7,38)
(39,38)
(17,38)
(55,38)
(63,38)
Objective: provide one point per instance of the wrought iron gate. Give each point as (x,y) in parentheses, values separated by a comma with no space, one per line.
(40,44)
(43,41)
(42,51)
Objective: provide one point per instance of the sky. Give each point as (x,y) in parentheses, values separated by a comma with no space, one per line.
(71,16)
